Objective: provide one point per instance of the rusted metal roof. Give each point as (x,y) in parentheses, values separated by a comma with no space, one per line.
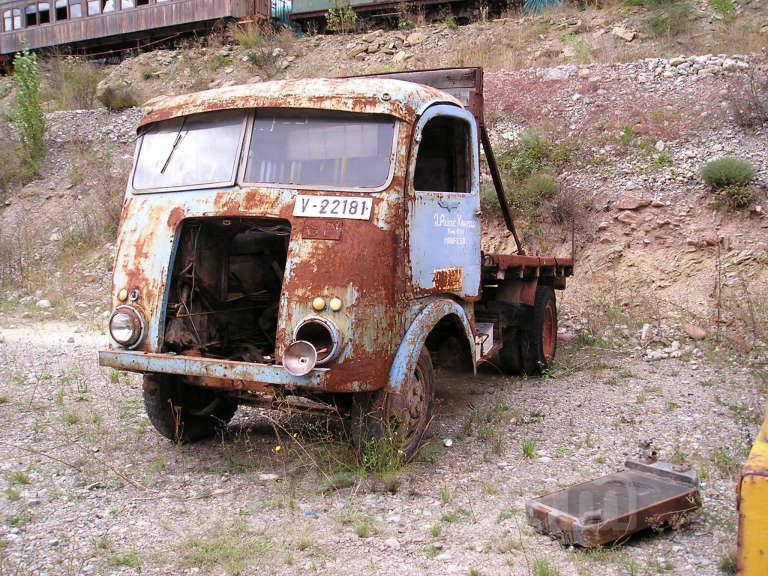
(403,100)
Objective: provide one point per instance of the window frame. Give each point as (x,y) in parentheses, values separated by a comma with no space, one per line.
(461,114)
(371,190)
(247,116)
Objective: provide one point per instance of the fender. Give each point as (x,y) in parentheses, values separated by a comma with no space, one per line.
(410,348)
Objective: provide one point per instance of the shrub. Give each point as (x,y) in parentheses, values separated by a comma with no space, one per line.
(748,97)
(540,187)
(667,18)
(27,115)
(527,157)
(115,95)
(723,7)
(251,34)
(13,170)
(341,18)
(725,172)
(74,82)
(738,196)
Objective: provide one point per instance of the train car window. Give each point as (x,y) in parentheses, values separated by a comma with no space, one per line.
(107,5)
(75,9)
(7,21)
(30,15)
(17,18)
(94,7)
(61,10)
(145,2)
(44,12)
(126,4)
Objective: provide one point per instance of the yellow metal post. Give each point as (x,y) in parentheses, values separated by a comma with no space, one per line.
(753,509)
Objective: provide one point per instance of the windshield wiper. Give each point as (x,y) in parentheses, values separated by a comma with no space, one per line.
(179,138)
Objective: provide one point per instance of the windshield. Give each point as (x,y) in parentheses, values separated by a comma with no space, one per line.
(320,149)
(189,151)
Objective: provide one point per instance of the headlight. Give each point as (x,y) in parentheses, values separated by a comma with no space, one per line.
(126,326)
(322,334)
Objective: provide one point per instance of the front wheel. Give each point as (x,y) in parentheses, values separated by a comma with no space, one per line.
(399,418)
(184,413)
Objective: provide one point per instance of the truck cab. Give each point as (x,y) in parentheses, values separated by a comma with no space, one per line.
(315,244)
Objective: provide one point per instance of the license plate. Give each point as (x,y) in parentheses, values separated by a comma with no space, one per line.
(353,207)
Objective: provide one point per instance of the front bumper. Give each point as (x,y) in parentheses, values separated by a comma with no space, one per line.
(242,375)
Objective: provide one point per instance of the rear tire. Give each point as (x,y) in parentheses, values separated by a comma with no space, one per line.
(403,417)
(184,413)
(539,343)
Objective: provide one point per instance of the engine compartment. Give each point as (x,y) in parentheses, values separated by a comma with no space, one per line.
(225,288)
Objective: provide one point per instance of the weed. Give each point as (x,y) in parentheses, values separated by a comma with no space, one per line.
(445,495)
(430,552)
(529,447)
(435,530)
(4,399)
(723,7)
(450,23)
(726,463)
(474,572)
(231,548)
(128,559)
(70,418)
(27,115)
(542,567)
(738,196)
(671,406)
(450,517)
(728,171)
(727,564)
(11,494)
(364,527)
(626,136)
(18,477)
(509,544)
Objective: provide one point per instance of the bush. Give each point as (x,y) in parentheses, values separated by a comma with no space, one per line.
(73,83)
(341,18)
(529,156)
(27,115)
(667,18)
(738,196)
(725,172)
(724,7)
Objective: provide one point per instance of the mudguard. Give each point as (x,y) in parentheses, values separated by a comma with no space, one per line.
(410,348)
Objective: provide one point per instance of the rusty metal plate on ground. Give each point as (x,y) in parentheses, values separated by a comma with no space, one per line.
(612,507)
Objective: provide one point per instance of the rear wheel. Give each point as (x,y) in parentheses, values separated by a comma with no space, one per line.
(540,341)
(185,413)
(402,417)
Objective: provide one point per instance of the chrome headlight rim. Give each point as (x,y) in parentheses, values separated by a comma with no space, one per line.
(138,322)
(333,332)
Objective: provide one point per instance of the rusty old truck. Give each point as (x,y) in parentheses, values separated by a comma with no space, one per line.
(315,244)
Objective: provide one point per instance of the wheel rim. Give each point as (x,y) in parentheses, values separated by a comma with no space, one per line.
(408,411)
(549,332)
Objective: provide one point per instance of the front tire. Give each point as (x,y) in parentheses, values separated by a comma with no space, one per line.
(403,417)
(184,413)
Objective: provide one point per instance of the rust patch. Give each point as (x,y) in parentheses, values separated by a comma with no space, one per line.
(448,279)
(322,229)
(175,217)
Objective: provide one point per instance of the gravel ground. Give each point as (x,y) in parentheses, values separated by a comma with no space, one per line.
(90,488)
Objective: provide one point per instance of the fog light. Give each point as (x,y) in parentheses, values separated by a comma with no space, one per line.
(318,304)
(122,295)
(335,304)
(126,326)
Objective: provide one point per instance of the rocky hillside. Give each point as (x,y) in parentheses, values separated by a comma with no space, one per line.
(652,241)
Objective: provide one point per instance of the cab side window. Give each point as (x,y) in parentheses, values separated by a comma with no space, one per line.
(443,161)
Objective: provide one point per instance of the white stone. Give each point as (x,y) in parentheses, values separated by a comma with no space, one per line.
(43,303)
